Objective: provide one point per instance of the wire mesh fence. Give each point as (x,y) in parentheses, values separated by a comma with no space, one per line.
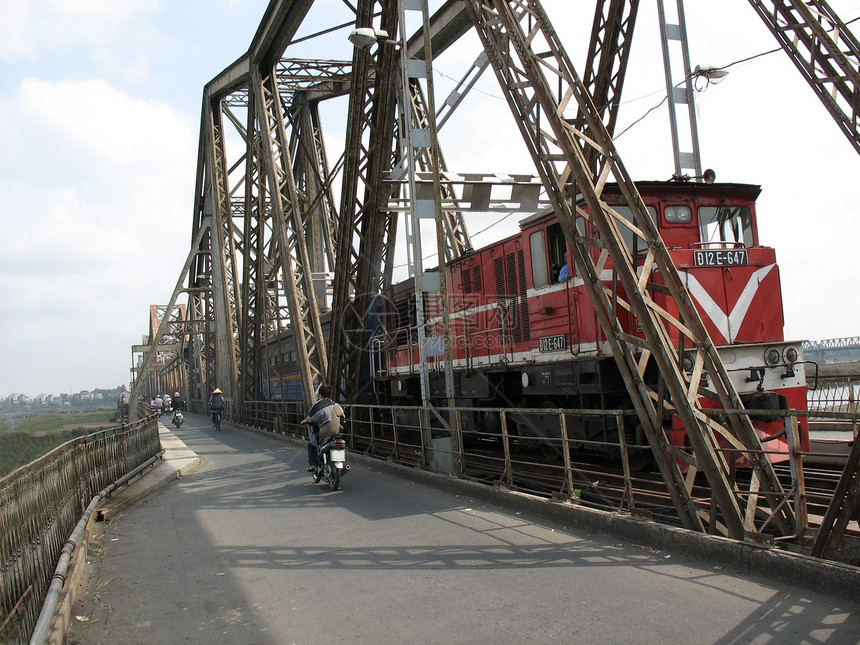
(834,394)
(40,504)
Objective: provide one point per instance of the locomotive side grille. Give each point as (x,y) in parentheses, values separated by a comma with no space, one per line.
(523,296)
(499,267)
(511,271)
(476,278)
(467,280)
(499,271)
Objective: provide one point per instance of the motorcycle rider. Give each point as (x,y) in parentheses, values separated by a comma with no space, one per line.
(324,418)
(178,404)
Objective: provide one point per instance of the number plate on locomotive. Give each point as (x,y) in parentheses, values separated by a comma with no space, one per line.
(721,258)
(552,343)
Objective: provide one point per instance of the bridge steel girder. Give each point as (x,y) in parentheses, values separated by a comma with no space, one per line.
(288,228)
(313,182)
(232,316)
(251,215)
(606,61)
(254,284)
(825,53)
(241,246)
(192,330)
(161,366)
(511,31)
(225,296)
(366,229)
(842,509)
(246,241)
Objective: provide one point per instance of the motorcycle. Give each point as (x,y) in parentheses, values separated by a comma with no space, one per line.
(178,419)
(331,462)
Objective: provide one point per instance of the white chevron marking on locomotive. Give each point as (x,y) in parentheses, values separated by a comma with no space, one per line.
(725,323)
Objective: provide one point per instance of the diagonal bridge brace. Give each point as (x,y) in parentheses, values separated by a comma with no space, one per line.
(540,85)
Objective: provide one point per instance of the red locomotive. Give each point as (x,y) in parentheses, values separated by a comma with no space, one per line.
(524,332)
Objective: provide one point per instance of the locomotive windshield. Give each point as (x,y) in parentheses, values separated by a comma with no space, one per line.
(633,244)
(730,225)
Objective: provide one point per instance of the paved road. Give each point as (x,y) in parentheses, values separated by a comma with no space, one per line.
(248,550)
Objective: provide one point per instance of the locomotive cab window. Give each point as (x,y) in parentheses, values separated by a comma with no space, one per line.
(726,225)
(548,254)
(539,261)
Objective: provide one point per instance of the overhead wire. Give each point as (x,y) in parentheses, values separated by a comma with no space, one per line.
(702,75)
(645,115)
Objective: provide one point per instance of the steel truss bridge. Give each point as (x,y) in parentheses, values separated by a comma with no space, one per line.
(833,350)
(288,225)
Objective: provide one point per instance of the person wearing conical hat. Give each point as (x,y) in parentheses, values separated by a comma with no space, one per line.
(216,400)
(216,404)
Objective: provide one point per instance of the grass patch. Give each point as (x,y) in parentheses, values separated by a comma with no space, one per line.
(834,369)
(20,448)
(25,438)
(58,421)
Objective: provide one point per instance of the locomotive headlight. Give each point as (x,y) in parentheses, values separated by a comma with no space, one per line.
(678,214)
(525,379)
(687,363)
(772,356)
(790,354)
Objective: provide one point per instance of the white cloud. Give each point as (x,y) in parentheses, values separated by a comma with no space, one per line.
(15,38)
(91,231)
(121,132)
(114,37)
(96,21)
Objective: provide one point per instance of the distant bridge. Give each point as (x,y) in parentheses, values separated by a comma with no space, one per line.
(833,350)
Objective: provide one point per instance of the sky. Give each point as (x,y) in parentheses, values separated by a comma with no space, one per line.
(99,120)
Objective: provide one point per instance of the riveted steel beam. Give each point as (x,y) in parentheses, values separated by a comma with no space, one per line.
(365,228)
(606,61)
(825,53)
(542,88)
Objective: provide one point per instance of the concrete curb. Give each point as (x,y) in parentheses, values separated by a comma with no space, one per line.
(178,461)
(75,573)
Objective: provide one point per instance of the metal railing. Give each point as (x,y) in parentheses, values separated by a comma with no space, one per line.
(280,417)
(41,503)
(576,456)
(834,394)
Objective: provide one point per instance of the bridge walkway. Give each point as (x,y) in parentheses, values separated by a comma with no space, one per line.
(246,549)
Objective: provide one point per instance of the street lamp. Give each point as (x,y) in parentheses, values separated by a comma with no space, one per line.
(712,74)
(365,37)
